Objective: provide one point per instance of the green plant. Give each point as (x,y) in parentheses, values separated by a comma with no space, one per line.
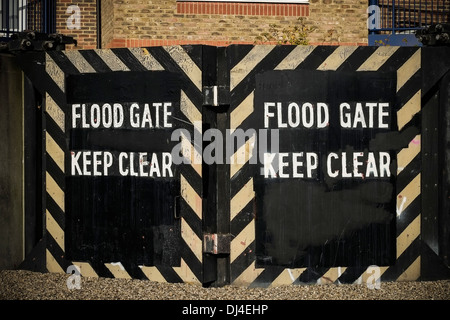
(293,34)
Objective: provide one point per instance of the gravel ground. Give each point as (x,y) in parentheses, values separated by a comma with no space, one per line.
(26,285)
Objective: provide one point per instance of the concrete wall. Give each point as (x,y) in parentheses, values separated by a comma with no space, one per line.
(11,165)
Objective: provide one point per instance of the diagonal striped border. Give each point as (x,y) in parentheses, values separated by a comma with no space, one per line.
(174,59)
(257,58)
(406,61)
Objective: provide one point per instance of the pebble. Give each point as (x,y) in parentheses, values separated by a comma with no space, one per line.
(27,285)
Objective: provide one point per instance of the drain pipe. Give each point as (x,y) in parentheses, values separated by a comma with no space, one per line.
(99,24)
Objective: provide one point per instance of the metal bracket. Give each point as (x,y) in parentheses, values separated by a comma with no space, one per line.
(216,243)
(216,96)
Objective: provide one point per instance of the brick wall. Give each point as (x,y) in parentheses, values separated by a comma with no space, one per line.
(86,35)
(339,21)
(165,22)
(130,23)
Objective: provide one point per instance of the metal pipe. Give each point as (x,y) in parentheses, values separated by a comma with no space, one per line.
(420,13)
(99,24)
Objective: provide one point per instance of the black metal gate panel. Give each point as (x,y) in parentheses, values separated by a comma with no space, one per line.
(118,204)
(316,225)
(333,164)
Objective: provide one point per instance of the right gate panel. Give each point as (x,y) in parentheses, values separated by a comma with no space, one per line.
(323,179)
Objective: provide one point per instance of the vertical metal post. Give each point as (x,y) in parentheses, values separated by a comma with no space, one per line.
(223,172)
(420,13)
(438,18)
(53,30)
(404,15)
(11,16)
(33,6)
(35,15)
(216,218)
(99,24)
(24,15)
(431,10)
(409,14)
(7,18)
(44,16)
(393,16)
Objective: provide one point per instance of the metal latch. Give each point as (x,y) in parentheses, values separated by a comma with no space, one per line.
(216,243)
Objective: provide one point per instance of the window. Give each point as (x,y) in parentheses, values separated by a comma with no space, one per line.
(13,16)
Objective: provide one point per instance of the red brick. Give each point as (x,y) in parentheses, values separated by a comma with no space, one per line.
(159,28)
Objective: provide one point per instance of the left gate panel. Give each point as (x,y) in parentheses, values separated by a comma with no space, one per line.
(123,185)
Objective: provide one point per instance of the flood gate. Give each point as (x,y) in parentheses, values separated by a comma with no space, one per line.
(247,165)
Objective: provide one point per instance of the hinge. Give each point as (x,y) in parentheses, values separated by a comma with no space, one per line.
(216,243)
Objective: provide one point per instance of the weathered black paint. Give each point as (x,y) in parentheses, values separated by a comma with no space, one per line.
(216,203)
(358,248)
(444,165)
(435,204)
(116,218)
(32,165)
(324,221)
(122,86)
(11,164)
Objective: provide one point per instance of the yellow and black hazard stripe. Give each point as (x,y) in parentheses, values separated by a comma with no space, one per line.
(248,61)
(177,59)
